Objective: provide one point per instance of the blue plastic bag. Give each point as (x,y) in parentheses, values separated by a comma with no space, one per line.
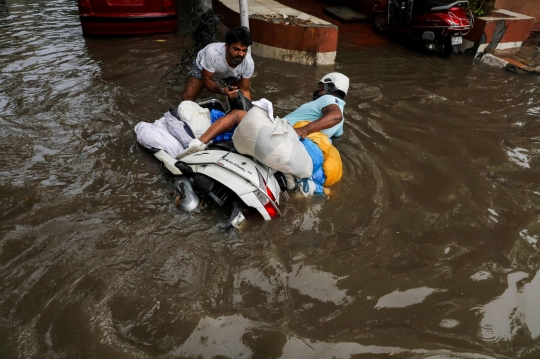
(226,136)
(317,157)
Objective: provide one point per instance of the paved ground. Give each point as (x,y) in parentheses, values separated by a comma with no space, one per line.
(360,33)
(526,58)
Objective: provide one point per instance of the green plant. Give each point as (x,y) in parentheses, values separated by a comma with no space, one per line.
(476,7)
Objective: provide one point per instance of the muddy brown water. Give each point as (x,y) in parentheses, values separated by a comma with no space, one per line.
(427,248)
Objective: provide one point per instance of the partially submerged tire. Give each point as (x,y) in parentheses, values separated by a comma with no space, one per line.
(380,22)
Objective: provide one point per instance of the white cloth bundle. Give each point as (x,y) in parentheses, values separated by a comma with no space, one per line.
(197,118)
(155,135)
(275,144)
(177,129)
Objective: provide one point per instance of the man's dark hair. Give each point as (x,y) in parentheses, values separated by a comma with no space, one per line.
(332,90)
(240,34)
(340,94)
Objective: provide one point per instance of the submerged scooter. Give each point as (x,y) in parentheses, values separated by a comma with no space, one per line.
(438,25)
(222,176)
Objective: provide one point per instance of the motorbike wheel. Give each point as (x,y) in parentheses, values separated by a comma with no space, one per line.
(380,22)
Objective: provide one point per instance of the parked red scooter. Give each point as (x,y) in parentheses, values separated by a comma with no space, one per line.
(436,24)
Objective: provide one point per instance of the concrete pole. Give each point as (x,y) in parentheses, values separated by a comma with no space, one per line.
(244,14)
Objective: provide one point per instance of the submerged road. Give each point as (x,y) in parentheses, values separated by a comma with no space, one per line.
(427,248)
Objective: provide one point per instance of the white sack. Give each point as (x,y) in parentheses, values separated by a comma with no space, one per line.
(197,118)
(177,129)
(265,105)
(155,135)
(275,144)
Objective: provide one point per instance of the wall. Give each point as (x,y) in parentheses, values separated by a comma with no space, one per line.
(312,44)
(525,7)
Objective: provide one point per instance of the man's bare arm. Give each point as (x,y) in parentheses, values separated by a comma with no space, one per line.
(244,87)
(223,124)
(331,116)
(212,86)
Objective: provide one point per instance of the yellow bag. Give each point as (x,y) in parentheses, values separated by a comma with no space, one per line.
(332,166)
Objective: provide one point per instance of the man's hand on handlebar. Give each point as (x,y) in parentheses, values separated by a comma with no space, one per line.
(230,91)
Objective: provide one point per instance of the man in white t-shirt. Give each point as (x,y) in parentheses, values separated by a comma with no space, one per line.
(229,62)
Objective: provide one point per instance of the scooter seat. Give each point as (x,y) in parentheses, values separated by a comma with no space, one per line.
(435,3)
(426,5)
(222,145)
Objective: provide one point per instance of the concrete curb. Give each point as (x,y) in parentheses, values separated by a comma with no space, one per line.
(491,60)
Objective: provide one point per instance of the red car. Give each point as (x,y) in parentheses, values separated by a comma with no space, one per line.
(120,17)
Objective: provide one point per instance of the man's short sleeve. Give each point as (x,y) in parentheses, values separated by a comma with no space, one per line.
(249,67)
(208,59)
(324,101)
(339,130)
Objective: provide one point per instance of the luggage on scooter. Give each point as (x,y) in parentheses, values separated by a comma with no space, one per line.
(177,129)
(275,144)
(197,118)
(332,165)
(225,136)
(156,136)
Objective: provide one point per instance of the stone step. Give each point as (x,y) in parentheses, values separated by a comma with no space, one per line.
(528,52)
(345,14)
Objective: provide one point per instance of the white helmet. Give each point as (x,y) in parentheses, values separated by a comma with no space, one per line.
(340,81)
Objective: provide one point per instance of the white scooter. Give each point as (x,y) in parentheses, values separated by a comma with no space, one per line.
(219,174)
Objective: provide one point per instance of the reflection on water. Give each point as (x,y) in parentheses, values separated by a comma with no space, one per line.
(516,310)
(531,232)
(399,299)
(237,337)
(437,213)
(481,275)
(448,323)
(319,285)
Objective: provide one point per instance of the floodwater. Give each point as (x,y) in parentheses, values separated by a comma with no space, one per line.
(427,248)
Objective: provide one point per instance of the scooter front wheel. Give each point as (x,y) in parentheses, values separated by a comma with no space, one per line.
(380,22)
